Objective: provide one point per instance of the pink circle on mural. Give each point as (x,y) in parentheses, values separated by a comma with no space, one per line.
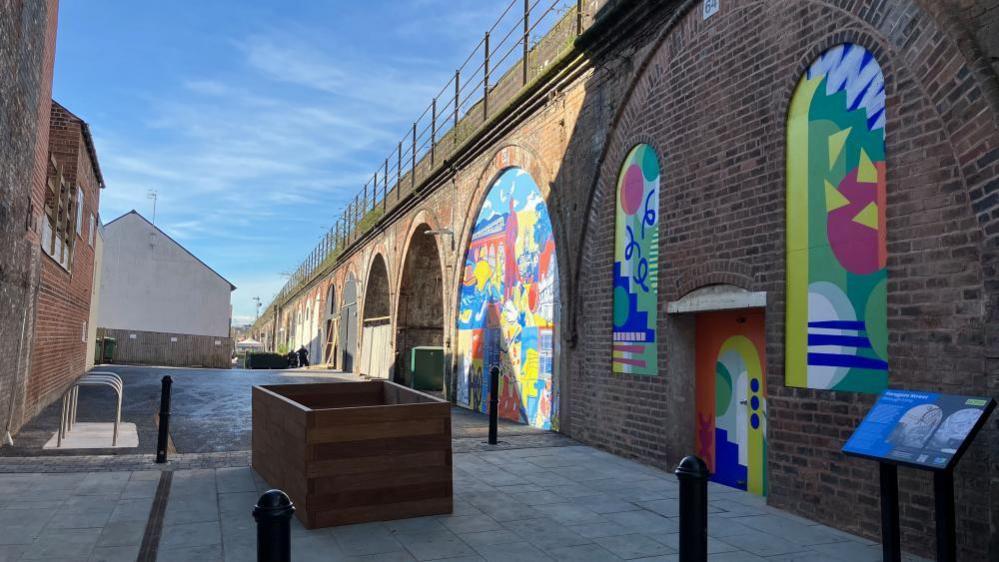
(632,189)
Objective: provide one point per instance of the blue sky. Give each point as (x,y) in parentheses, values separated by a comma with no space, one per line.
(255,121)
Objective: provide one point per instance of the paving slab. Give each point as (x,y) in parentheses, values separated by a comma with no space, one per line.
(527,500)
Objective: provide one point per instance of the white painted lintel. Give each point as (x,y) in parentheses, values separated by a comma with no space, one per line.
(717,297)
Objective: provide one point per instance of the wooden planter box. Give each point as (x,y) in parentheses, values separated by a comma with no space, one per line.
(350,452)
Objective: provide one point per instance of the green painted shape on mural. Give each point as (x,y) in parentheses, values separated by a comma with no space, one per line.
(650,164)
(723,389)
(620,305)
(876,317)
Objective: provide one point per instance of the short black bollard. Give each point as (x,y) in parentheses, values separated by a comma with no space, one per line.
(273,515)
(693,476)
(493,403)
(161,441)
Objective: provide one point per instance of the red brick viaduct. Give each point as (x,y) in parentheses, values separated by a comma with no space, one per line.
(711,95)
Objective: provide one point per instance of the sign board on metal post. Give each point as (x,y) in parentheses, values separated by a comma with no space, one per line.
(924,430)
(711,8)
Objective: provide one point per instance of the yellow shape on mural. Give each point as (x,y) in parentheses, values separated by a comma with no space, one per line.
(866,172)
(526,220)
(466,315)
(868,217)
(834,199)
(482,273)
(529,375)
(836,143)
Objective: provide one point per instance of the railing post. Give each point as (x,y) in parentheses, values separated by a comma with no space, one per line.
(412,170)
(693,475)
(374,190)
(385,187)
(579,17)
(485,81)
(457,104)
(527,37)
(273,516)
(164,429)
(433,132)
(398,174)
(494,374)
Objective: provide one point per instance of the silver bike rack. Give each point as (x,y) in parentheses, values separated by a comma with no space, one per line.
(71,398)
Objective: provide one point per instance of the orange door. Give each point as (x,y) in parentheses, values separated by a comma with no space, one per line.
(731,397)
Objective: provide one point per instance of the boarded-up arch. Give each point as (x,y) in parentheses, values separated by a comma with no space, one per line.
(330,327)
(348,325)
(376,339)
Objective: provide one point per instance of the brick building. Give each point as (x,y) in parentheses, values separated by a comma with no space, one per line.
(69,237)
(27,53)
(822,178)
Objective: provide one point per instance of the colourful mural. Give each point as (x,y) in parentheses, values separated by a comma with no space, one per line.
(731,398)
(837,329)
(508,302)
(636,263)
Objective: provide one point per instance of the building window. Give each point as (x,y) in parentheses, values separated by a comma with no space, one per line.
(57,228)
(93,227)
(79,211)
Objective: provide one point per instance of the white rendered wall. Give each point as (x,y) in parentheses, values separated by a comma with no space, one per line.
(95,297)
(150,283)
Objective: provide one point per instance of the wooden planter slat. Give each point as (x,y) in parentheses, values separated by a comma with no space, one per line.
(350,452)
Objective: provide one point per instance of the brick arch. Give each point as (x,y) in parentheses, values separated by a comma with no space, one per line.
(715,272)
(375,255)
(366,313)
(928,84)
(420,316)
(425,215)
(517,155)
(506,156)
(340,280)
(984,82)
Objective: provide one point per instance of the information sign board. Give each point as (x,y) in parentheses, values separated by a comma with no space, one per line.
(922,429)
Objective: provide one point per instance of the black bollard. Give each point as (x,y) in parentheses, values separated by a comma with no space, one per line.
(273,516)
(693,476)
(161,441)
(493,403)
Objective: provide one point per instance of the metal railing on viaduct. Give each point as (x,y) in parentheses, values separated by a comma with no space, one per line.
(489,79)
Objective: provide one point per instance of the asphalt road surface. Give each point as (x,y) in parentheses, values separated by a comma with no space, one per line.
(210,410)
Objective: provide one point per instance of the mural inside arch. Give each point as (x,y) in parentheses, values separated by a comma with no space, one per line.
(508,303)
(837,330)
(636,263)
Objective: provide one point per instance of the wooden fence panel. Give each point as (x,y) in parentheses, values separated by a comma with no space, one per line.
(136,347)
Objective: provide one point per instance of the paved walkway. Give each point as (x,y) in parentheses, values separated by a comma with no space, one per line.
(571,503)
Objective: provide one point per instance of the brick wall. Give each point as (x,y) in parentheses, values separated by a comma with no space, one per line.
(712,98)
(27,50)
(63,305)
